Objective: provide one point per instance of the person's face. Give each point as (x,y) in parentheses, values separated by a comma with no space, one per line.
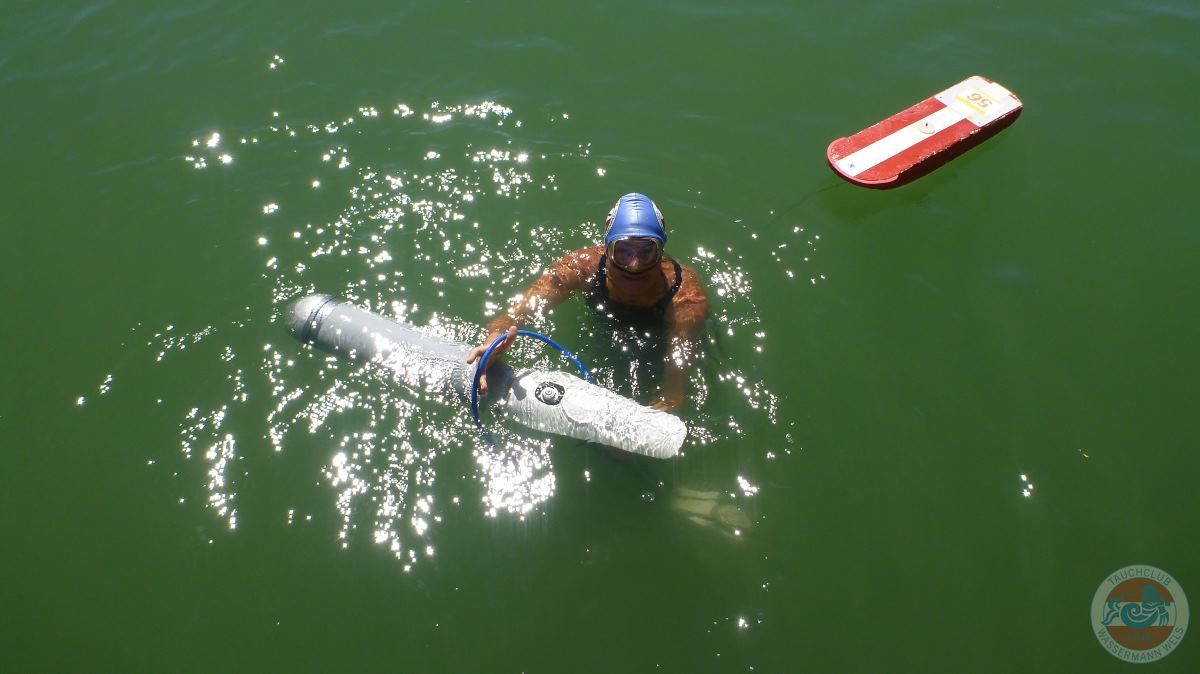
(635,256)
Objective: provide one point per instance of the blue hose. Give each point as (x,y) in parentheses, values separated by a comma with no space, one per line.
(482,367)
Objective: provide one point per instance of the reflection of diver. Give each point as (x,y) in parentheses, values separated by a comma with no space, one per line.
(625,279)
(712,510)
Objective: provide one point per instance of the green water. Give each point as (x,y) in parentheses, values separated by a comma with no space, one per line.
(185,489)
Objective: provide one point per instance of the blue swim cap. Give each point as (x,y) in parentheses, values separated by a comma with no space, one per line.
(635,215)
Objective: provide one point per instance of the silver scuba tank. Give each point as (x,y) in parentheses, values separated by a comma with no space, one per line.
(550,401)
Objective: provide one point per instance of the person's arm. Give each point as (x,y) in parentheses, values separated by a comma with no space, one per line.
(568,274)
(685,320)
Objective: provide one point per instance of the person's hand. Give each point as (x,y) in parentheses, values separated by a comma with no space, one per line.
(477,353)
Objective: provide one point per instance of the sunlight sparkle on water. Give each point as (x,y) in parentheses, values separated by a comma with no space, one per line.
(517,473)
(401,235)
(747,488)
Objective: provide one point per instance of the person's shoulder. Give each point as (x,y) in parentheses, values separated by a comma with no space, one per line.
(688,271)
(689,306)
(584,260)
(576,267)
(586,256)
(691,286)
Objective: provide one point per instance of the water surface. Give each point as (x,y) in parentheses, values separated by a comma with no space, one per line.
(927,423)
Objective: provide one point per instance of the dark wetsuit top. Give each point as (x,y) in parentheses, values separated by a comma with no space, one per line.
(597,296)
(638,334)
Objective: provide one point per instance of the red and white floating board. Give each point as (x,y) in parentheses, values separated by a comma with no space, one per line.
(917,140)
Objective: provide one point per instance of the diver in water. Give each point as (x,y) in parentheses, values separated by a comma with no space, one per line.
(626,279)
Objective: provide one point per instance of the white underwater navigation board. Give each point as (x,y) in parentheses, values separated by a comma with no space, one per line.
(921,138)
